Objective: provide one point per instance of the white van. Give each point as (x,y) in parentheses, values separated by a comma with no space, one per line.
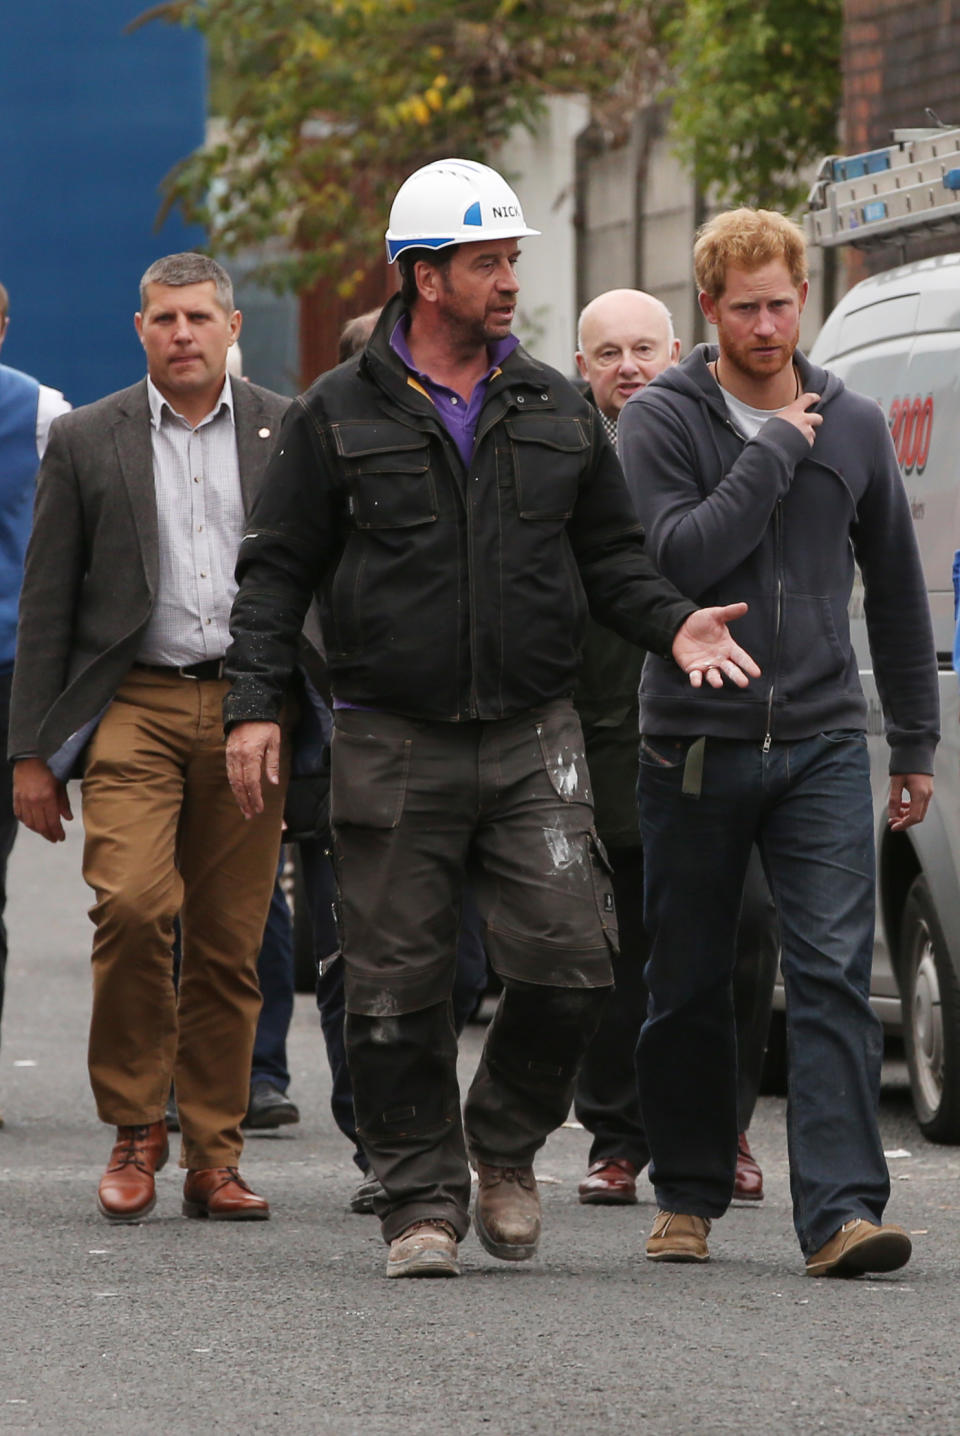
(896,337)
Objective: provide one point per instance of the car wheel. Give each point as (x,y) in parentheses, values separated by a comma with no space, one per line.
(930,995)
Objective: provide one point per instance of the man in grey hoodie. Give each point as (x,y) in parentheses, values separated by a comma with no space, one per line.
(757,474)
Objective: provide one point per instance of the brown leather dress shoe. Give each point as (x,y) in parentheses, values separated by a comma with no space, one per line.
(127,1191)
(221,1194)
(507,1211)
(611,1182)
(748,1184)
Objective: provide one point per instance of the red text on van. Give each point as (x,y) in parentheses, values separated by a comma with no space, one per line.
(911,425)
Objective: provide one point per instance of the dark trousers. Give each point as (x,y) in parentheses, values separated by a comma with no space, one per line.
(414,806)
(276,978)
(8,823)
(607,1100)
(808,806)
(469,984)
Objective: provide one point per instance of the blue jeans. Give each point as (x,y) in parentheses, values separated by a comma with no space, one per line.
(807,805)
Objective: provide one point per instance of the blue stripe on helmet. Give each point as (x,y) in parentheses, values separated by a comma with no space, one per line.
(397,246)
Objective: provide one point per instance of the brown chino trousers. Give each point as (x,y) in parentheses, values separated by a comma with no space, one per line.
(163,835)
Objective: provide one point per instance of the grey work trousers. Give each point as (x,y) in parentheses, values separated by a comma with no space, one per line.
(416,806)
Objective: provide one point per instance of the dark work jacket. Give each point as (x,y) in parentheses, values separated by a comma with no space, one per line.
(445,592)
(779,524)
(607,703)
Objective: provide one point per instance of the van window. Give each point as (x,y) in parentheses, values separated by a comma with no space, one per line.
(884,320)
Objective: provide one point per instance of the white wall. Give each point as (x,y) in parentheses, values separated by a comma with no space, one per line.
(541,169)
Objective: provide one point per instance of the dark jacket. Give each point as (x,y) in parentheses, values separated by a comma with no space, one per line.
(91,566)
(444,593)
(607,703)
(780,524)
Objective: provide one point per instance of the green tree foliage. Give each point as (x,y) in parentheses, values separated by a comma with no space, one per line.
(327,106)
(756,94)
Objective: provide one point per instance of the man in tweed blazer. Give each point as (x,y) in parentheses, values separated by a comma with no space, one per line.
(141,501)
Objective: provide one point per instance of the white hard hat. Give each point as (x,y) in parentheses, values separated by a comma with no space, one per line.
(453,202)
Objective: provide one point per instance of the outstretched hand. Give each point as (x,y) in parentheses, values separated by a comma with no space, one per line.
(703,648)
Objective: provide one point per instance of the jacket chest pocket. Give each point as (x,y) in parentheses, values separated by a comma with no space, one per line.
(548,454)
(387,468)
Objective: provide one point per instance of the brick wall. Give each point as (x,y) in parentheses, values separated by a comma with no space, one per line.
(899,56)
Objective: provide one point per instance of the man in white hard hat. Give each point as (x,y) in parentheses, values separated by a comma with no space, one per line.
(454,505)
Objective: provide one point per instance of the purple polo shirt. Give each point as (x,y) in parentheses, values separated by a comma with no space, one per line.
(458,414)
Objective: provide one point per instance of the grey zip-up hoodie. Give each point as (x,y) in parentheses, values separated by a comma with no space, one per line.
(779,524)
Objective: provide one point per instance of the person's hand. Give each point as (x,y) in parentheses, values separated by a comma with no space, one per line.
(910,795)
(39,799)
(703,648)
(798,414)
(253,751)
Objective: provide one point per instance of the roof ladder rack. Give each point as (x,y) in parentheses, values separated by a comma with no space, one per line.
(912,186)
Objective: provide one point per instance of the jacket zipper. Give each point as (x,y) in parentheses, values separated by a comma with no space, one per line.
(453,453)
(778,546)
(778,536)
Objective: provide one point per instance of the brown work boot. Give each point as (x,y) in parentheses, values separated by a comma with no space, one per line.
(677,1236)
(426,1248)
(507,1211)
(127,1191)
(221,1194)
(861,1246)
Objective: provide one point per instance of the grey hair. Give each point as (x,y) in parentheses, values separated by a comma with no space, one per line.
(4,304)
(356,332)
(178,270)
(658,303)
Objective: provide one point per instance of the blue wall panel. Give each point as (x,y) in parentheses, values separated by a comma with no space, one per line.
(92,120)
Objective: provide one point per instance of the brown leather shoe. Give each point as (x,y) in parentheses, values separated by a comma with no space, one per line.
(678,1236)
(221,1194)
(611,1182)
(861,1246)
(127,1191)
(507,1211)
(748,1184)
(426,1248)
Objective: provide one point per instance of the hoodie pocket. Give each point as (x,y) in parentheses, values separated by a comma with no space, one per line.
(811,651)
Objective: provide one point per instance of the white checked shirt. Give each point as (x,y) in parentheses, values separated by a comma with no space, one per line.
(609,427)
(200,522)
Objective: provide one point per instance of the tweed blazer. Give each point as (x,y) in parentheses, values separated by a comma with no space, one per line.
(91,567)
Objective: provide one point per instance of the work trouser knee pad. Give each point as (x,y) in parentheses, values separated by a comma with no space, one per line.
(543,1032)
(403,1070)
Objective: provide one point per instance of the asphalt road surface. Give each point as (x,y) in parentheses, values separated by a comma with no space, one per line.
(290,1326)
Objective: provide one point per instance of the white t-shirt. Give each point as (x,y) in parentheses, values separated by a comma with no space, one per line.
(747,420)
